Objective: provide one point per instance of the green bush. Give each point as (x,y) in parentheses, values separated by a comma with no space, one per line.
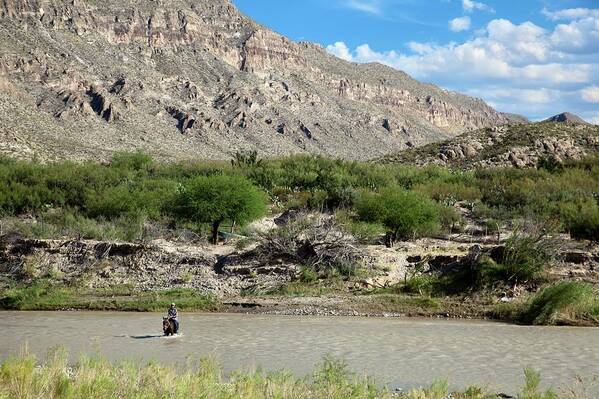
(219,198)
(404,213)
(449,193)
(308,275)
(450,219)
(582,219)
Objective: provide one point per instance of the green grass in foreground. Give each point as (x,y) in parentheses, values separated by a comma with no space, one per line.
(94,377)
(565,303)
(44,296)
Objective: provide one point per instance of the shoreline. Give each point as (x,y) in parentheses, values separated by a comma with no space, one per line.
(329,307)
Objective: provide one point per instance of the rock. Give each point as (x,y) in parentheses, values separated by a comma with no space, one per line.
(185,121)
(577,257)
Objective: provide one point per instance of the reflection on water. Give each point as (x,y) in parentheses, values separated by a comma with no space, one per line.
(398,352)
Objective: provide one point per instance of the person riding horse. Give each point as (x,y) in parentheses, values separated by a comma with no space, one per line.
(173,316)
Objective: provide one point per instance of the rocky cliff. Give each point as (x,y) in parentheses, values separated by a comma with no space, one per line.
(519,146)
(81,79)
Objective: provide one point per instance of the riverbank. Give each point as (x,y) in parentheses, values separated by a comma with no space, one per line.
(95,377)
(44,297)
(453,276)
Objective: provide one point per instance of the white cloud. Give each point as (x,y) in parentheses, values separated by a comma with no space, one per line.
(517,67)
(367,6)
(340,50)
(421,48)
(471,5)
(570,13)
(460,24)
(590,94)
(541,96)
(505,51)
(577,36)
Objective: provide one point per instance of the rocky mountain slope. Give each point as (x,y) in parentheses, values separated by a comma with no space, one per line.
(519,145)
(566,117)
(81,79)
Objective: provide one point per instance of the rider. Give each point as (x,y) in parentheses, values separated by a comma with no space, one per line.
(174,316)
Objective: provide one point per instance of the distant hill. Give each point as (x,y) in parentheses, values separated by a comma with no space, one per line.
(82,79)
(520,146)
(567,117)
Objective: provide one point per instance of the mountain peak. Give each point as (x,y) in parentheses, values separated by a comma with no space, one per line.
(567,117)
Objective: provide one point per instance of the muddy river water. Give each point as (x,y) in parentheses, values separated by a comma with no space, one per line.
(400,353)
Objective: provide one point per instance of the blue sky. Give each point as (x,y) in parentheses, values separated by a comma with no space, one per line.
(533,57)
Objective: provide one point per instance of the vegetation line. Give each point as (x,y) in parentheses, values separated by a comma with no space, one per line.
(94,377)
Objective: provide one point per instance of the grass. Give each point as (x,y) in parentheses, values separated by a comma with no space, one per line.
(402,303)
(45,296)
(301,288)
(94,378)
(563,303)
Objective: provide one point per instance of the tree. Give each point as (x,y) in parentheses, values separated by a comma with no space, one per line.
(404,213)
(218,198)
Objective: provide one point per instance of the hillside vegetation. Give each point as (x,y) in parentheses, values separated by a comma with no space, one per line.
(524,145)
(335,217)
(119,199)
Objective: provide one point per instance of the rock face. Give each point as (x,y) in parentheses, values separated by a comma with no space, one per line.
(147,267)
(185,79)
(519,146)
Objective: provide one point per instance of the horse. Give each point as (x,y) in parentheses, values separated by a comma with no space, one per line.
(168,326)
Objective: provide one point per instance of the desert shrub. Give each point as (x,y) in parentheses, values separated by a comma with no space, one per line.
(307,275)
(525,257)
(136,161)
(219,198)
(405,214)
(450,219)
(421,284)
(564,302)
(317,242)
(365,232)
(449,193)
(582,218)
(134,183)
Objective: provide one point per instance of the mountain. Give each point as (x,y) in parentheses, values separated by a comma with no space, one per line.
(567,117)
(81,79)
(518,145)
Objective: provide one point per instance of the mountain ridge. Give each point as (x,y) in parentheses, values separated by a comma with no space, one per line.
(81,79)
(519,146)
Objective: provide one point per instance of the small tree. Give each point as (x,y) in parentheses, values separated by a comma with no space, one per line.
(403,213)
(218,198)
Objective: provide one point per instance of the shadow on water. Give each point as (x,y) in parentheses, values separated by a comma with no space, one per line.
(150,336)
(146,336)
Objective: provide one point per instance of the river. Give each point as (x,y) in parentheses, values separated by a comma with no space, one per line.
(400,353)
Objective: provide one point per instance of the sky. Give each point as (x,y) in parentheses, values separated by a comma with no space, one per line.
(532,57)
